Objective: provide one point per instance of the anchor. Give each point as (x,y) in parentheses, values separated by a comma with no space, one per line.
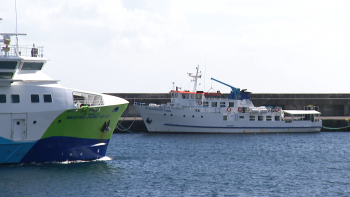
(106,126)
(148,121)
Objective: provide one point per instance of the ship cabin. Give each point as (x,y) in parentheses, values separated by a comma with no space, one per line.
(24,84)
(208,101)
(215,102)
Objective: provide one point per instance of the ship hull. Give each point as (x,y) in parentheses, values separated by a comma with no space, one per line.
(75,134)
(168,120)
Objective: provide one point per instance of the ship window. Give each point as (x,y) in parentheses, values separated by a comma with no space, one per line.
(35,98)
(205,104)
(241,117)
(252,118)
(15,98)
(32,65)
(277,118)
(260,118)
(231,104)
(225,117)
(8,65)
(176,95)
(268,118)
(192,96)
(198,96)
(214,104)
(185,96)
(2,98)
(222,104)
(47,98)
(6,75)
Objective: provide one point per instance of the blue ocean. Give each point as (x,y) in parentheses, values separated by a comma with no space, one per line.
(307,164)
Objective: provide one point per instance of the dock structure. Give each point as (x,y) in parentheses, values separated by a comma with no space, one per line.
(335,107)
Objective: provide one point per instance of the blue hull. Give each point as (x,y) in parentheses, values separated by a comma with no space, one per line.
(52,149)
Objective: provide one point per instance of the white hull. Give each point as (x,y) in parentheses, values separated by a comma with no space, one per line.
(168,120)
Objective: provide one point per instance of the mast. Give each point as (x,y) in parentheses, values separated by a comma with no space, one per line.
(16,30)
(195,78)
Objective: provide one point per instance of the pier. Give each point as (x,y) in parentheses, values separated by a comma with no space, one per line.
(335,108)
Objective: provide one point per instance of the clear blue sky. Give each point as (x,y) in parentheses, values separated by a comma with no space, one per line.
(289,46)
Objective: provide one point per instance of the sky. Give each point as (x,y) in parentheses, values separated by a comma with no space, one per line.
(143,46)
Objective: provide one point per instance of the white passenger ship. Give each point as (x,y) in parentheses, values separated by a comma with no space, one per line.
(42,121)
(205,112)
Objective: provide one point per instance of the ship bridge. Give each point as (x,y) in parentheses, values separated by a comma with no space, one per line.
(7,50)
(21,62)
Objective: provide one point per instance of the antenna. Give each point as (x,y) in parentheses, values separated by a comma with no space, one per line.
(205,68)
(16,28)
(2,26)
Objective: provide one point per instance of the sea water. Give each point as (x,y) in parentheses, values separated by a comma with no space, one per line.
(306,164)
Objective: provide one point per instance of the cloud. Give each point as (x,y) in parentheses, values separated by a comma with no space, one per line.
(121,46)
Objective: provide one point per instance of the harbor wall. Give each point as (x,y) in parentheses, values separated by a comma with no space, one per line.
(335,108)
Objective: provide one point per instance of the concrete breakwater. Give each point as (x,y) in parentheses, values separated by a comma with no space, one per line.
(335,108)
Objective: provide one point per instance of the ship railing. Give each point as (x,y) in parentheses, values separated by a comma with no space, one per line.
(79,103)
(204,109)
(301,117)
(188,108)
(23,50)
(139,103)
(215,98)
(207,109)
(147,104)
(255,110)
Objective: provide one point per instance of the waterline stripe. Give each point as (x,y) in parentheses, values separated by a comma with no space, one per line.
(176,125)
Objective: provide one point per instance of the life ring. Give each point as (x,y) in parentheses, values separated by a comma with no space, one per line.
(277,109)
(199,102)
(228,109)
(240,109)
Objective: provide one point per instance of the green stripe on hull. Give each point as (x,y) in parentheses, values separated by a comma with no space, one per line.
(85,123)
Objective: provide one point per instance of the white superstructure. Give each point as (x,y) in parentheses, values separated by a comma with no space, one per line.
(204,112)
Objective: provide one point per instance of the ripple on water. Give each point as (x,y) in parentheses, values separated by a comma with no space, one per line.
(203,165)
